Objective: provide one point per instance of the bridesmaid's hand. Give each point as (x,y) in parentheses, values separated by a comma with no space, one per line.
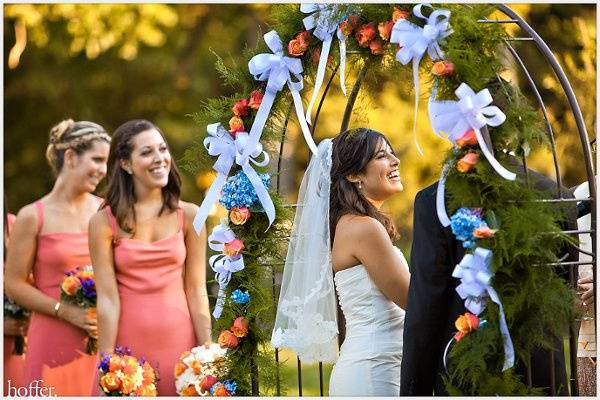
(81,318)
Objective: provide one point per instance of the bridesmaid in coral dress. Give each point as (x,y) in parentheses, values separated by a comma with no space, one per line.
(49,238)
(149,262)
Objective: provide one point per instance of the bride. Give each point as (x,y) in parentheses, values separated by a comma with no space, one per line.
(340,234)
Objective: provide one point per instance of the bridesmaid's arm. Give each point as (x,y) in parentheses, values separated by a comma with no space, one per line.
(108,304)
(195,276)
(21,251)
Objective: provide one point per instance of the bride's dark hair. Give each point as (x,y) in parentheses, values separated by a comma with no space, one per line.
(351,152)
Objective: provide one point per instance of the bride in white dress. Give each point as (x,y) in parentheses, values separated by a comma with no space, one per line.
(338,229)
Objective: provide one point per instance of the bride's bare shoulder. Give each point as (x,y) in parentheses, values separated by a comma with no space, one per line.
(359,227)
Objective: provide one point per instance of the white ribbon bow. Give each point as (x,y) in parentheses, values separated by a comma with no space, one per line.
(324,27)
(229,150)
(415,41)
(223,265)
(277,70)
(474,271)
(471,111)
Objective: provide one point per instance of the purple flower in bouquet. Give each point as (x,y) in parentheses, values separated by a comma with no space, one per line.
(88,287)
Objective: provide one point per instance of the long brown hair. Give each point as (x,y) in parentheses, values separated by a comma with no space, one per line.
(120,194)
(351,152)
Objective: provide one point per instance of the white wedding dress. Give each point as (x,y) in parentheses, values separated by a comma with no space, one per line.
(370,357)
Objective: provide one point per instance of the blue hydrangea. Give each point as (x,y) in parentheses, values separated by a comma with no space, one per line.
(463,224)
(231,386)
(239,297)
(239,192)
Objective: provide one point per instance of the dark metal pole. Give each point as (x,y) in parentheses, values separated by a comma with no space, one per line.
(352,97)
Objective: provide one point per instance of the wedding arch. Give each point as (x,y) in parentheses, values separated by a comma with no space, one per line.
(491,209)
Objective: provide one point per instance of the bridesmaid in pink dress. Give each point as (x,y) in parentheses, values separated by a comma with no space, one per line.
(149,261)
(49,238)
(14,364)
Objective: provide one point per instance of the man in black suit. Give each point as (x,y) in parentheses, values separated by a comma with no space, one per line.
(434,305)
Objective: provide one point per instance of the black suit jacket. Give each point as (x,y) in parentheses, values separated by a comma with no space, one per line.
(433,304)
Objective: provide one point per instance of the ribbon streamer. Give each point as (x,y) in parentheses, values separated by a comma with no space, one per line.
(229,150)
(324,29)
(471,111)
(223,265)
(474,271)
(277,70)
(415,41)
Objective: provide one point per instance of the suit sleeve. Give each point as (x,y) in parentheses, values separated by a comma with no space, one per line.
(429,299)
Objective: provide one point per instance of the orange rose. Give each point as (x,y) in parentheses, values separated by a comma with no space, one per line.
(115,363)
(110,382)
(443,68)
(241,109)
(484,232)
(221,391)
(467,163)
(240,327)
(190,391)
(228,340)
(376,47)
(130,366)
(148,374)
(233,248)
(239,215)
(196,366)
(207,382)
(70,285)
(297,47)
(465,323)
(304,37)
(128,384)
(255,99)
(179,368)
(468,139)
(147,391)
(385,29)
(365,34)
(349,24)
(236,125)
(399,14)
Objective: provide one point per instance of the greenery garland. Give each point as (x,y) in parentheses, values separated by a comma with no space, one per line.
(537,303)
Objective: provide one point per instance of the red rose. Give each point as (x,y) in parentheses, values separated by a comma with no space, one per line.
(399,14)
(233,248)
(385,29)
(468,139)
(297,47)
(443,68)
(207,382)
(349,24)
(304,37)
(240,327)
(365,34)
(255,99)
(377,47)
(465,323)
(241,108)
(236,125)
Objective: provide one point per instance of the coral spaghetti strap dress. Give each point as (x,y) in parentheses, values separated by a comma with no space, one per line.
(14,365)
(155,321)
(56,348)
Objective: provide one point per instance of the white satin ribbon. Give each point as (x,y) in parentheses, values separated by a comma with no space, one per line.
(277,70)
(474,272)
(229,150)
(414,41)
(324,26)
(223,265)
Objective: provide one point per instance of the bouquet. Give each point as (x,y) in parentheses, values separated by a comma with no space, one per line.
(15,311)
(79,288)
(200,371)
(121,374)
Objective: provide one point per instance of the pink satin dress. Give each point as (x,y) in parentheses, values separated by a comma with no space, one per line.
(56,348)
(155,321)
(14,365)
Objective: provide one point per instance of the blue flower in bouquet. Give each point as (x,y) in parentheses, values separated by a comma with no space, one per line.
(464,222)
(239,297)
(104,361)
(88,287)
(239,192)
(231,386)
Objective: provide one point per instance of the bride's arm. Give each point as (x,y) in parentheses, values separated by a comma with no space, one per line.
(371,245)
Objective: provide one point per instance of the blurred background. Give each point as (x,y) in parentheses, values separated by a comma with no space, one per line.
(110,63)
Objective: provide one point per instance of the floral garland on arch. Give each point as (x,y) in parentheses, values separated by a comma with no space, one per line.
(492,208)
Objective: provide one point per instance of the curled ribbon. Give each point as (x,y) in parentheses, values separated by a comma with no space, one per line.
(277,70)
(229,150)
(223,265)
(474,271)
(414,41)
(471,111)
(324,28)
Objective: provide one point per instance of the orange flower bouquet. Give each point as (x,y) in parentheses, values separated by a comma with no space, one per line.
(121,374)
(79,288)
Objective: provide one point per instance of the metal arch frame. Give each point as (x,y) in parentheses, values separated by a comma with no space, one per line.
(586,148)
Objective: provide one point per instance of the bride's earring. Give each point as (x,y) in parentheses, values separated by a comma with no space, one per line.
(359,185)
